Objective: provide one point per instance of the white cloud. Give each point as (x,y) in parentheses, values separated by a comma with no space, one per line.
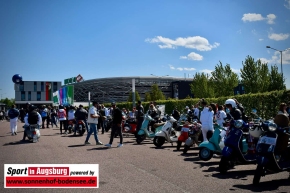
(276,58)
(261,39)
(206,71)
(236,70)
(251,17)
(192,56)
(287,4)
(278,37)
(194,42)
(271,18)
(180,68)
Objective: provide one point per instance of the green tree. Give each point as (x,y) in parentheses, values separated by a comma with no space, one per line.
(8,102)
(155,94)
(277,82)
(263,78)
(224,80)
(202,86)
(249,75)
(137,97)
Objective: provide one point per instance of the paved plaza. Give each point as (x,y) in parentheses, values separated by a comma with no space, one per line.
(131,168)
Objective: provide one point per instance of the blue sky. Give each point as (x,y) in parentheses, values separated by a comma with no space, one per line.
(52,40)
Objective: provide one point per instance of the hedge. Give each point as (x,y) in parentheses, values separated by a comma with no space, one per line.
(267,104)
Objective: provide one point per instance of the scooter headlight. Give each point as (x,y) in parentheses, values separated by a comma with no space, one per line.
(238,123)
(272,127)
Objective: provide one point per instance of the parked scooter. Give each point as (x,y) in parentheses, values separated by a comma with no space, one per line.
(167,133)
(272,148)
(143,133)
(32,132)
(236,148)
(214,145)
(81,127)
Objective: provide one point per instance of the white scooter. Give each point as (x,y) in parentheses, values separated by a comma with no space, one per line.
(32,132)
(166,133)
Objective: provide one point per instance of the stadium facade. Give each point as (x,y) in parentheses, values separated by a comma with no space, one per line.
(117,89)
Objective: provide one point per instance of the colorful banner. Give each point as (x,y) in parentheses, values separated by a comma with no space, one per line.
(51,175)
(48,91)
(64,96)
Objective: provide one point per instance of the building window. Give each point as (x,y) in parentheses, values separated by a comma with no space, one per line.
(29,96)
(54,86)
(21,86)
(35,87)
(23,96)
(42,86)
(243,88)
(238,92)
(38,96)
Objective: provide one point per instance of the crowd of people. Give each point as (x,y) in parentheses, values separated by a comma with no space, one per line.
(96,117)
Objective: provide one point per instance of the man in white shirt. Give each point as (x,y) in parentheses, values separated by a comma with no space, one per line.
(206,119)
(93,121)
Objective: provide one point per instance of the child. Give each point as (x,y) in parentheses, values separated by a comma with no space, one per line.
(184,134)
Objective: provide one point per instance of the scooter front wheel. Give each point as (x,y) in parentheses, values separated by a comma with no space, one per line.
(158,141)
(205,154)
(258,173)
(140,138)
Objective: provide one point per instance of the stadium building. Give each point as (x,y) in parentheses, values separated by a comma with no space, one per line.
(117,89)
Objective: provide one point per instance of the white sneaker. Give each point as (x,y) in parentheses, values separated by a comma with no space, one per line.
(120,145)
(99,143)
(108,145)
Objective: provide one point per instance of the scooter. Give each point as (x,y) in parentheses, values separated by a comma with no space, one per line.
(143,133)
(32,132)
(236,148)
(214,145)
(272,148)
(81,127)
(167,133)
(70,125)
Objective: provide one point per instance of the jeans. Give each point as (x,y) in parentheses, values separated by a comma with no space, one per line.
(118,129)
(92,128)
(53,120)
(104,125)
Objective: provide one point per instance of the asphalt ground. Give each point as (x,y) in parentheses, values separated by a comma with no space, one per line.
(131,168)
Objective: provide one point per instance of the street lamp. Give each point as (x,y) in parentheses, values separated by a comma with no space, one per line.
(281,56)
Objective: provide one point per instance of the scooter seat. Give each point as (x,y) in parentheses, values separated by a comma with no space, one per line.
(158,124)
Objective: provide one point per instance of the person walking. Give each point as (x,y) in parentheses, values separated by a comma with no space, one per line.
(13,114)
(116,127)
(62,119)
(206,119)
(93,121)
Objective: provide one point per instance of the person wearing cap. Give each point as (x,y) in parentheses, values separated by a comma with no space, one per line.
(93,118)
(82,115)
(116,125)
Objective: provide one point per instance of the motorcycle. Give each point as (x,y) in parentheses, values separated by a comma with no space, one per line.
(32,132)
(214,145)
(70,125)
(143,133)
(167,133)
(236,148)
(81,127)
(272,148)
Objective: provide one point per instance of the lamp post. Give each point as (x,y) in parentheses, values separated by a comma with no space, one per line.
(281,56)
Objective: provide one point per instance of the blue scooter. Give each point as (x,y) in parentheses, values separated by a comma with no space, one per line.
(143,133)
(236,148)
(214,145)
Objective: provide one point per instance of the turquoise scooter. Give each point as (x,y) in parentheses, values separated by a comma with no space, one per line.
(143,133)
(214,145)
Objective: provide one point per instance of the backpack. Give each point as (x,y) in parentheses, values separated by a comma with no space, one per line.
(43,113)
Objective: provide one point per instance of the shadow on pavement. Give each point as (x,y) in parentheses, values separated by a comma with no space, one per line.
(81,145)
(264,185)
(234,174)
(192,159)
(129,142)
(100,148)
(17,143)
